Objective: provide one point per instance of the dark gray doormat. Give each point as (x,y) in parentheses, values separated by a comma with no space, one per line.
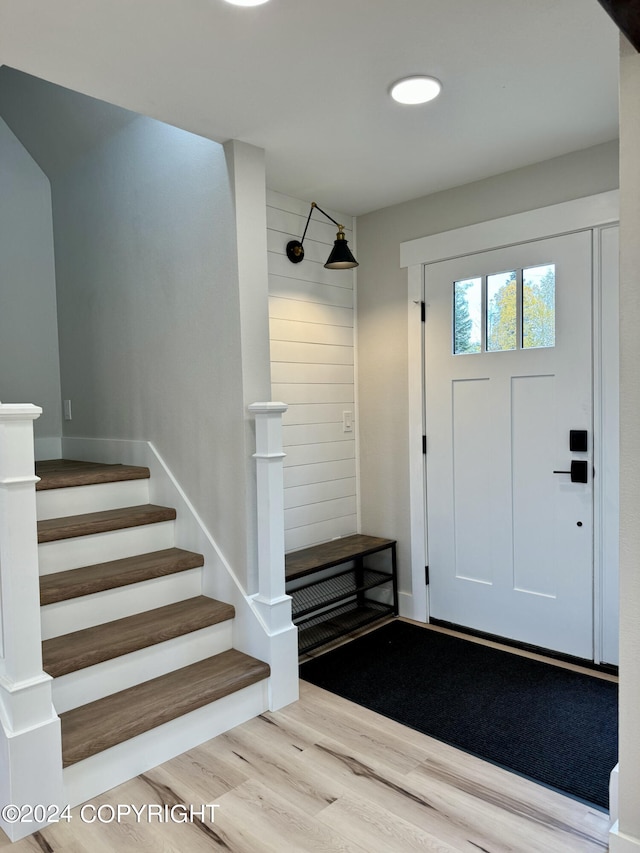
(544,722)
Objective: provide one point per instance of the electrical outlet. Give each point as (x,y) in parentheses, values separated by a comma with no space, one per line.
(66,405)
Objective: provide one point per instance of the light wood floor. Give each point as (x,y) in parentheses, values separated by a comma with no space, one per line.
(326,775)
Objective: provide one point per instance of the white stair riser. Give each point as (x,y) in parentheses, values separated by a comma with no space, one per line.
(75,614)
(56,503)
(93,776)
(103,679)
(101,547)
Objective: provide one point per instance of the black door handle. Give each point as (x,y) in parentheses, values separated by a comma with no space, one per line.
(579,471)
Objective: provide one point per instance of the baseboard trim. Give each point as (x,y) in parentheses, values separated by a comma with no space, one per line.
(526,647)
(621,843)
(614,797)
(406,606)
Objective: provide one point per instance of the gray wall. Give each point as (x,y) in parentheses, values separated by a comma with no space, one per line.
(149,312)
(382,312)
(29,364)
(629,449)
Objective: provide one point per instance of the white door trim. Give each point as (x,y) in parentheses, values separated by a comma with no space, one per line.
(576,215)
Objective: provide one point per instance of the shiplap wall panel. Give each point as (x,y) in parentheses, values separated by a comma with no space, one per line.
(293,309)
(314,413)
(300,496)
(311,312)
(301,537)
(279,205)
(300,516)
(313,333)
(303,455)
(279,201)
(316,252)
(320,374)
(310,270)
(294,351)
(284,226)
(309,291)
(315,434)
(298,393)
(299,475)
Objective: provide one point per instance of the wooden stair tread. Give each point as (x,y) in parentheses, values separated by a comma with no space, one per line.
(65,473)
(68,527)
(80,649)
(61,586)
(106,722)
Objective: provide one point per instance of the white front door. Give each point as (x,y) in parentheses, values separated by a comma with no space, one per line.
(508,377)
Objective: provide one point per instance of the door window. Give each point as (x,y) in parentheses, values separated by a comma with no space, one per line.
(502,311)
(539,306)
(467,316)
(505,311)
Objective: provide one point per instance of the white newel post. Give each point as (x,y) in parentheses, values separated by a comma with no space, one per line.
(271,602)
(30,744)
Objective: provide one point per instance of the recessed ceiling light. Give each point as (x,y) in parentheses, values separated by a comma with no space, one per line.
(246,2)
(416,90)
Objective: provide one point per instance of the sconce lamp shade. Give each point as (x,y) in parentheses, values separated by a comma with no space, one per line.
(340,258)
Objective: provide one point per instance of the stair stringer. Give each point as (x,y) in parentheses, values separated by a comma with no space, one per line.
(251,634)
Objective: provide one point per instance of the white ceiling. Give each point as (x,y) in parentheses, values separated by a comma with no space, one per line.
(307,80)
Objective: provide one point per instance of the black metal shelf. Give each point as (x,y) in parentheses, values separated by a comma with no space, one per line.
(335,623)
(326,608)
(324,593)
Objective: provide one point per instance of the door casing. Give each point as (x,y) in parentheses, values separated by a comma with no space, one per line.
(592,212)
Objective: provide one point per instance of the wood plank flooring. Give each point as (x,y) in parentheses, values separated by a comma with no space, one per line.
(326,775)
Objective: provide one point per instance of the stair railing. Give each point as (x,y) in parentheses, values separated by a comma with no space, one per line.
(272,602)
(31,769)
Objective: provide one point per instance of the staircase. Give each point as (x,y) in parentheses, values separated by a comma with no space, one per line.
(142,662)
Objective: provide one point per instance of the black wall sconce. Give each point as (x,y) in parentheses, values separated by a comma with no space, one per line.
(340,257)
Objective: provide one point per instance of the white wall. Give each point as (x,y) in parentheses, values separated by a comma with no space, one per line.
(149,311)
(311,313)
(629,782)
(29,362)
(246,165)
(382,313)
